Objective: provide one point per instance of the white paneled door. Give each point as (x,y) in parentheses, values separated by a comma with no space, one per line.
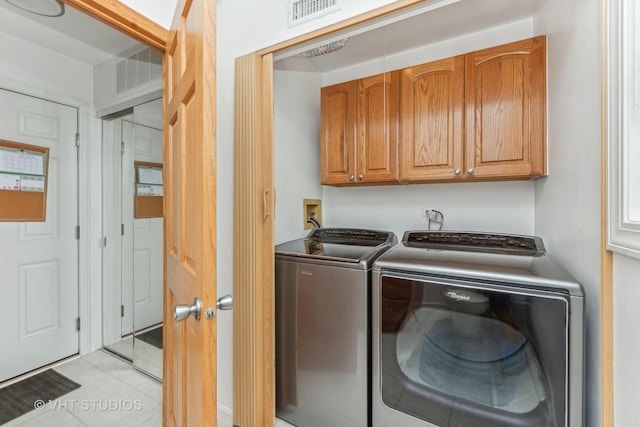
(143,239)
(39,260)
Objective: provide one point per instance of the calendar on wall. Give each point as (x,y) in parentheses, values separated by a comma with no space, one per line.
(23,181)
(149,201)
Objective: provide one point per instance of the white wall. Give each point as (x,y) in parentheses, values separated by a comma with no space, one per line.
(296,149)
(626,346)
(503,207)
(28,68)
(568,200)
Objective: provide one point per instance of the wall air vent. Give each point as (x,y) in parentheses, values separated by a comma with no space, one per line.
(301,11)
(138,69)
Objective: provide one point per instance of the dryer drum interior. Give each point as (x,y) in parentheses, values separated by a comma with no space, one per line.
(455,353)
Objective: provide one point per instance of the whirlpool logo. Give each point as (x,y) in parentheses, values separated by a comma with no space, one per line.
(456,296)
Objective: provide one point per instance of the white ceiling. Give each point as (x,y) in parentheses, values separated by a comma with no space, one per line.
(436,21)
(74,34)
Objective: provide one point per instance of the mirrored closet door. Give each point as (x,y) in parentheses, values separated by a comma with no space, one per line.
(133,229)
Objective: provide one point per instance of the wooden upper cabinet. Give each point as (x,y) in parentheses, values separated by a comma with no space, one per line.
(505,98)
(431,130)
(337,133)
(479,116)
(359,131)
(377,129)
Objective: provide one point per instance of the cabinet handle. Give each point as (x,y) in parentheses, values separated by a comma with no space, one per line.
(360,177)
(457,171)
(470,171)
(350,177)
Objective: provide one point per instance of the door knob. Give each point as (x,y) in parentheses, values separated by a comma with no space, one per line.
(182,311)
(223,303)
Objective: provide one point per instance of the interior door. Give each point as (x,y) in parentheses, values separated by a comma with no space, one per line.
(189,385)
(39,260)
(145,234)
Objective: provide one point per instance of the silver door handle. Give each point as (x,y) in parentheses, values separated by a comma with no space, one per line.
(182,311)
(223,303)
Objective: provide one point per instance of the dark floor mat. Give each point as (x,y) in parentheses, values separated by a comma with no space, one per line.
(153,337)
(19,398)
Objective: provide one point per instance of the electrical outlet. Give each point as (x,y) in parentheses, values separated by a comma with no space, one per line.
(424,212)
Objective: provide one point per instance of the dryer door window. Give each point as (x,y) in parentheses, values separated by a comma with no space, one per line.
(458,353)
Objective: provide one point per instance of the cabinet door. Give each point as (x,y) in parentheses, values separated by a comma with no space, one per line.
(506,104)
(431,121)
(377,129)
(337,138)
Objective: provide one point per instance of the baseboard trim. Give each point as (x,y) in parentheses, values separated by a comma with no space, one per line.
(225,416)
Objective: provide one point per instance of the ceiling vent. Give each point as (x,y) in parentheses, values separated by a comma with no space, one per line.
(138,69)
(301,11)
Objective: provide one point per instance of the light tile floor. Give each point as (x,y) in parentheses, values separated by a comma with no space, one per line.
(112,393)
(147,357)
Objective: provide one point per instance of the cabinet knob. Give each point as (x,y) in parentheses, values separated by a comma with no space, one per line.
(360,177)
(350,177)
(457,171)
(470,171)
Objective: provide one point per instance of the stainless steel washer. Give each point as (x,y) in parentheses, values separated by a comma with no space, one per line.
(475,330)
(323,326)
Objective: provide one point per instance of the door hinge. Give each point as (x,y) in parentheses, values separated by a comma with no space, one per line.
(77,140)
(122,147)
(122,229)
(122,310)
(77,232)
(77,323)
(104,242)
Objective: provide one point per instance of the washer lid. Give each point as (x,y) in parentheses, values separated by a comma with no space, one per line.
(351,236)
(340,244)
(517,260)
(475,242)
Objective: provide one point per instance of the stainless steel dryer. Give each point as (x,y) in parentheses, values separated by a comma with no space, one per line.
(475,330)
(323,326)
